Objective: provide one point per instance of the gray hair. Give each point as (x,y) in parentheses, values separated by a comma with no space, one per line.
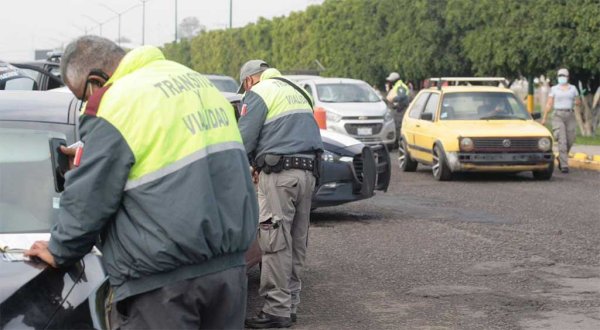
(87,53)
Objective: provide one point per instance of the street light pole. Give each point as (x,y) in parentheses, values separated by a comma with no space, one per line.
(119,16)
(95,21)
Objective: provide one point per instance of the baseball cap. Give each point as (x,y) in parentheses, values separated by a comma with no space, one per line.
(250,68)
(393,76)
(563,72)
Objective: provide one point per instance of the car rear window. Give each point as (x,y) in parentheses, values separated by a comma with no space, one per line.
(346,93)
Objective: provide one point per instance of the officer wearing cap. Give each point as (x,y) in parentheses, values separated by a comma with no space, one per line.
(397,97)
(283,142)
(562,98)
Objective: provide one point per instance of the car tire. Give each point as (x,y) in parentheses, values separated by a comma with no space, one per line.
(407,164)
(544,175)
(441,170)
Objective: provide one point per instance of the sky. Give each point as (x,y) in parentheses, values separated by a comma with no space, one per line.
(26,25)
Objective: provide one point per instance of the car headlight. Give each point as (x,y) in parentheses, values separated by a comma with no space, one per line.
(333,117)
(544,144)
(466,144)
(388,116)
(329,156)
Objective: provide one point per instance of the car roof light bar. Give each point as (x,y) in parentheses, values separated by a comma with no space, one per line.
(468,79)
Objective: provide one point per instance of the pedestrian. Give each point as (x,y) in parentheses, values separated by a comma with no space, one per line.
(284,144)
(562,98)
(163,182)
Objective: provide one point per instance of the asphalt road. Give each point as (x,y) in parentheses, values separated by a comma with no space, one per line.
(482,251)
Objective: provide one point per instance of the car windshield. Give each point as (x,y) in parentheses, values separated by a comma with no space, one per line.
(28,200)
(346,93)
(482,106)
(224,84)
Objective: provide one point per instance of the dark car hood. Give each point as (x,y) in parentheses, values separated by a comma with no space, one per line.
(340,143)
(16,274)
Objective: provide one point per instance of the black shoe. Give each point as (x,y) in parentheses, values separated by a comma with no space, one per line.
(264,320)
(564,170)
(293,317)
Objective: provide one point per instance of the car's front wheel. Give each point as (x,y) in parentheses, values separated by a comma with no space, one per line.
(441,170)
(544,174)
(407,164)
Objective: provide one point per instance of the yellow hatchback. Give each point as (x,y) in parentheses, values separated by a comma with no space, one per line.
(473,129)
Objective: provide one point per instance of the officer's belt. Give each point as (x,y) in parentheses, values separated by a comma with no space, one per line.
(270,163)
(569,110)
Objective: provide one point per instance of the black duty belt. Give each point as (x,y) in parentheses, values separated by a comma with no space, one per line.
(568,110)
(277,163)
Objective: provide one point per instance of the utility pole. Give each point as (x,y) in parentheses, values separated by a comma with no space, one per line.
(144,21)
(175,21)
(230,13)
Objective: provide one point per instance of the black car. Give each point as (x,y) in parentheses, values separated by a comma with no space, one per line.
(13,78)
(33,295)
(46,73)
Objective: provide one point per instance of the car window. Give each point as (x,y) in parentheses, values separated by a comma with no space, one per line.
(346,92)
(19,84)
(417,107)
(308,90)
(224,84)
(432,104)
(28,201)
(482,106)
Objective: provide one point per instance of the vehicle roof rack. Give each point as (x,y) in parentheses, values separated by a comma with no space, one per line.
(468,80)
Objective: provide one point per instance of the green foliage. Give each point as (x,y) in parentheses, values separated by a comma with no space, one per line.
(418,38)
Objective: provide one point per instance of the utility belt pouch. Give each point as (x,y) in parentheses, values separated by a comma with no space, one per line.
(273,163)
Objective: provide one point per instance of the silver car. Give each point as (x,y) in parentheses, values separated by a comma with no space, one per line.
(353,108)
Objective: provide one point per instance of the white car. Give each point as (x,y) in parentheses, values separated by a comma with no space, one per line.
(353,108)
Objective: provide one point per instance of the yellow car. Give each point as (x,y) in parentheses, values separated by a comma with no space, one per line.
(473,129)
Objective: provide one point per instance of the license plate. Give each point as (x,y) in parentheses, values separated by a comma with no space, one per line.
(364,131)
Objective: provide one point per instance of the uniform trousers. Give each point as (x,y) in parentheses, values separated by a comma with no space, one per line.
(213,301)
(284,201)
(564,127)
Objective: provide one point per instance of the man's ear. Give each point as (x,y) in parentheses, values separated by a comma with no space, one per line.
(96,80)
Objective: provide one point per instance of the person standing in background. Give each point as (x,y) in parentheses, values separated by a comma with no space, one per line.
(563,97)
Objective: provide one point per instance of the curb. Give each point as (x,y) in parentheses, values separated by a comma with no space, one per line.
(584,161)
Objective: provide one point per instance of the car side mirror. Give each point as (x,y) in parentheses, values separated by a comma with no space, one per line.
(427,116)
(60,163)
(536,115)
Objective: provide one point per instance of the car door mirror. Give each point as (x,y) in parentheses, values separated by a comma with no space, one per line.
(536,115)
(60,163)
(426,116)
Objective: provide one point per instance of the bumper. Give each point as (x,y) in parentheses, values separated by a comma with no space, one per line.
(385,134)
(343,182)
(499,162)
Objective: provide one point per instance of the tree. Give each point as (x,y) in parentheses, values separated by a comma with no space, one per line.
(190,27)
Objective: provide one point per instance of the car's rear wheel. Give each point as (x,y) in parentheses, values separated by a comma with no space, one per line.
(441,170)
(544,174)
(407,164)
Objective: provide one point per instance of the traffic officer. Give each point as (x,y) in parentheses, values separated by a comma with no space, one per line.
(562,98)
(164,182)
(283,142)
(398,97)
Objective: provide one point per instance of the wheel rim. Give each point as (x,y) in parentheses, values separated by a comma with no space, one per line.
(401,156)
(436,165)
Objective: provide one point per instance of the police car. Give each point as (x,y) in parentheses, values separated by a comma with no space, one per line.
(351,170)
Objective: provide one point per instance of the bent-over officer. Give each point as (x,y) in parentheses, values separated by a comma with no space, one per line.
(164,182)
(284,143)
